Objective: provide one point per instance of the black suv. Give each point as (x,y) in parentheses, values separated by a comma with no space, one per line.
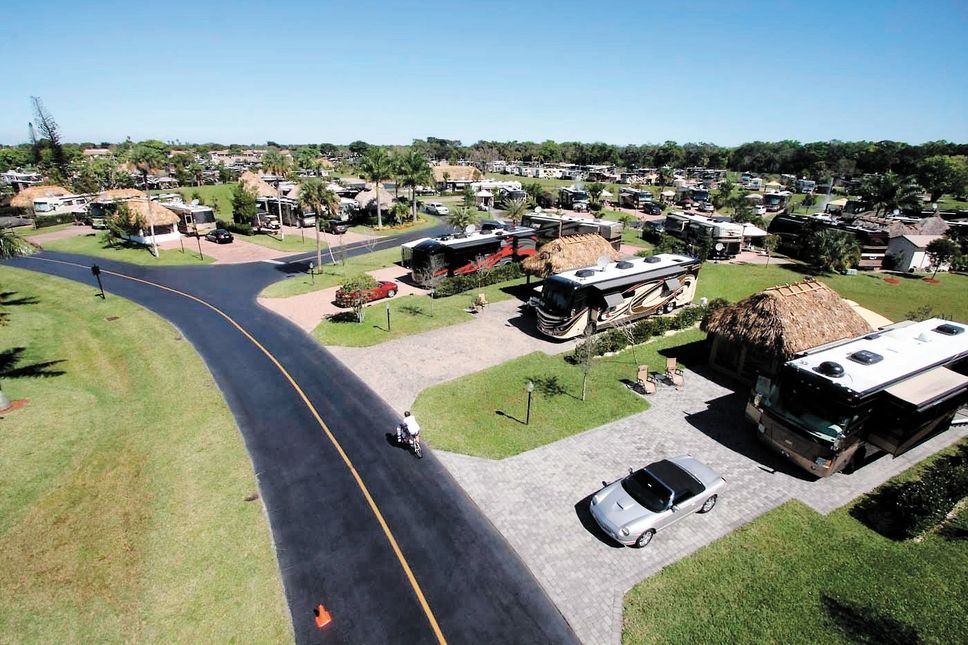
(336,227)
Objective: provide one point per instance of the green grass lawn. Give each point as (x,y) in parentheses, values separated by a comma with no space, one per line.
(410,314)
(30,231)
(949,202)
(949,297)
(483,414)
(95,246)
(218,195)
(331,275)
(794,576)
(122,485)
(633,237)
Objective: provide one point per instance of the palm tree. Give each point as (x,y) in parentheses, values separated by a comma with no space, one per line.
(12,245)
(316,197)
(836,250)
(515,209)
(414,171)
(595,190)
(460,218)
(145,158)
(196,171)
(376,167)
(890,191)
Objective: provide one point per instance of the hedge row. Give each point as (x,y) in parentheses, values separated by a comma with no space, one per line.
(43,221)
(617,339)
(233,227)
(461,283)
(904,510)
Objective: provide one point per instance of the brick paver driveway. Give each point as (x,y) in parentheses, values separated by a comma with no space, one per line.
(538,499)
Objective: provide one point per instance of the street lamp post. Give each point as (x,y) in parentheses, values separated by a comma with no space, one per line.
(530,388)
(96,270)
(388,317)
(312,273)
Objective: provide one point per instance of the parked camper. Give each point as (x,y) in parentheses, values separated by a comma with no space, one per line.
(572,195)
(889,391)
(725,239)
(634,198)
(550,227)
(462,255)
(193,218)
(626,290)
(806,185)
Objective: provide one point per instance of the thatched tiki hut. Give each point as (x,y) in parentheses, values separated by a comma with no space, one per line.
(147,222)
(757,335)
(25,198)
(256,184)
(569,252)
(366,200)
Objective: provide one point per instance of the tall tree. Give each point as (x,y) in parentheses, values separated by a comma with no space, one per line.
(147,156)
(316,197)
(415,171)
(835,250)
(942,174)
(515,209)
(941,251)
(890,191)
(49,131)
(276,164)
(460,218)
(376,167)
(12,245)
(244,205)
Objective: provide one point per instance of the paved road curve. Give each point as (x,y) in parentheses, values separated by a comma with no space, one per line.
(331,546)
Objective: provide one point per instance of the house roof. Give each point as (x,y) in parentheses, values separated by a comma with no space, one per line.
(788,319)
(367,198)
(456,173)
(569,252)
(932,226)
(921,241)
(254,182)
(25,198)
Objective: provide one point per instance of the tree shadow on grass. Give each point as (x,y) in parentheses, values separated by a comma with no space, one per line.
(343,317)
(867,625)
(413,310)
(10,365)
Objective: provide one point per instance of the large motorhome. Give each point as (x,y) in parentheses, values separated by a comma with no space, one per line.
(287,210)
(725,239)
(887,391)
(460,255)
(550,227)
(634,198)
(572,195)
(626,290)
(193,218)
(776,201)
(694,193)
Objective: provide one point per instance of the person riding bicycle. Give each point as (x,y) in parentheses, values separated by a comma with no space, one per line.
(409,429)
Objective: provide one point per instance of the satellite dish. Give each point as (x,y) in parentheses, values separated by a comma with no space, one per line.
(602,262)
(720,246)
(469,229)
(537,209)
(194,202)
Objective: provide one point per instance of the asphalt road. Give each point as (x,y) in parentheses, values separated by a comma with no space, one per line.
(330,545)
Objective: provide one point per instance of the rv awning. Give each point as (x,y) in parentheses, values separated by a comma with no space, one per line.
(929,386)
(753,231)
(613,299)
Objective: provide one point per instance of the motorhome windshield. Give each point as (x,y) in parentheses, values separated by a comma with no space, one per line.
(429,260)
(557,296)
(812,410)
(700,195)
(206,216)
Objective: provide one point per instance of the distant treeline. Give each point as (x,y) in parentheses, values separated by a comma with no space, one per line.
(819,160)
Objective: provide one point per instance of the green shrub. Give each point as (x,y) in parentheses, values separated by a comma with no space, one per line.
(460,283)
(615,340)
(43,221)
(234,227)
(903,510)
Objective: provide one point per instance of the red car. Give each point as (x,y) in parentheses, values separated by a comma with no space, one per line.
(384,289)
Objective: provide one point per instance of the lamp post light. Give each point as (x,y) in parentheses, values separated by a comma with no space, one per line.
(96,270)
(388,316)
(312,273)
(530,388)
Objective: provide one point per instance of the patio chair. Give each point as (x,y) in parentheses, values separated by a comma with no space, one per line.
(646,380)
(674,373)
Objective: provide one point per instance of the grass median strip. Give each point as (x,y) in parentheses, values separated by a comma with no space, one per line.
(123,483)
(95,246)
(793,575)
(484,414)
(331,275)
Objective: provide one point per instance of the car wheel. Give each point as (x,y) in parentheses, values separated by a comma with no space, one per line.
(391,293)
(644,539)
(708,504)
(670,306)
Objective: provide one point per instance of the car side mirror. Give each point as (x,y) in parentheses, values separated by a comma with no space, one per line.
(675,508)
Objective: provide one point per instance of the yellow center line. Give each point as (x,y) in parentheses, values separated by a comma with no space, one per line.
(322,424)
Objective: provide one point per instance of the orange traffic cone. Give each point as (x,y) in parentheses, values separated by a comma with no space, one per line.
(323,617)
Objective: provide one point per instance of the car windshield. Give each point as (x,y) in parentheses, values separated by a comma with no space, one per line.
(647,490)
(556,297)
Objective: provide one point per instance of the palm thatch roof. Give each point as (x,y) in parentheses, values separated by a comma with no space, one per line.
(933,225)
(456,173)
(789,319)
(25,198)
(569,252)
(367,199)
(151,212)
(256,184)
(117,194)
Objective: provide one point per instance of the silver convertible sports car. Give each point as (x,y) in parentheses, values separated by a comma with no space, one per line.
(633,508)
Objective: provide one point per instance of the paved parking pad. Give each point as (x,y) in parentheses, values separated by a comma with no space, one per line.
(538,500)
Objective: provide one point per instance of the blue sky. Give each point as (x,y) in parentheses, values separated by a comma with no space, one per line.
(384,72)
